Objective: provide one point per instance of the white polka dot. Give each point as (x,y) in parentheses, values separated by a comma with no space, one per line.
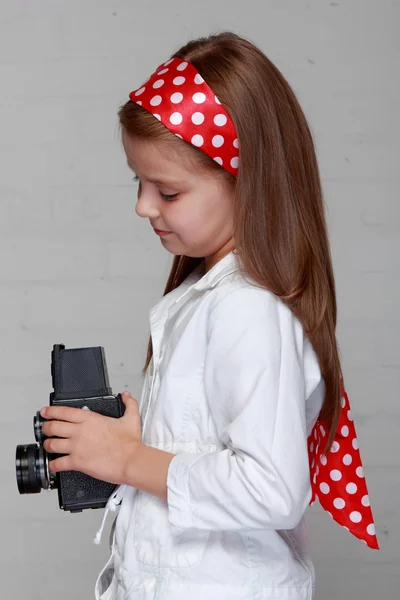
(217,100)
(335,475)
(315,431)
(335,446)
(355,516)
(346,528)
(176,118)
(345,431)
(343,402)
(323,459)
(351,488)
(139,92)
(198,79)
(365,500)
(347,459)
(313,463)
(179,135)
(217,141)
(157,116)
(330,514)
(220,120)
(197,140)
(360,472)
(339,503)
(139,102)
(236,144)
(324,487)
(199,98)
(176,98)
(197,118)
(349,415)
(156,100)
(235,162)
(322,429)
(159,83)
(182,66)
(317,471)
(162,71)
(354,443)
(311,447)
(371,529)
(168,62)
(219,160)
(178,80)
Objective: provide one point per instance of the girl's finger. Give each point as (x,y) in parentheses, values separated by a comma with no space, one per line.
(60,429)
(65,413)
(63,463)
(131,405)
(57,446)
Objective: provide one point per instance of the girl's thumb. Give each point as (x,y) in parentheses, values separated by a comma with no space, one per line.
(128,401)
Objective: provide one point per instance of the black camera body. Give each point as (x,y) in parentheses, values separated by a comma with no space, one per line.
(79,379)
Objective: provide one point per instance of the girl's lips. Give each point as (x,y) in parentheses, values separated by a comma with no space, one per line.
(162,233)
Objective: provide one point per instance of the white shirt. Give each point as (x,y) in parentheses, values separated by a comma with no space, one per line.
(234,390)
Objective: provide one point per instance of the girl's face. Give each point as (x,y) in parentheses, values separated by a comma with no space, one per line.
(191,211)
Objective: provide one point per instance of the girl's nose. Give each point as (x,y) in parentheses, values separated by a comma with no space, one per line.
(147,207)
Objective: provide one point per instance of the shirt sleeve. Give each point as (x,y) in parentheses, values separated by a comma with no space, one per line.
(255,388)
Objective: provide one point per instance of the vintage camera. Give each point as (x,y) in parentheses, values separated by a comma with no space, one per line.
(80,379)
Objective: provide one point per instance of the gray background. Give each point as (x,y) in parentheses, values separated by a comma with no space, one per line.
(77,266)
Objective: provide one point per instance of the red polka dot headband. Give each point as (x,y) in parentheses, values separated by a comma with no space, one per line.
(178,96)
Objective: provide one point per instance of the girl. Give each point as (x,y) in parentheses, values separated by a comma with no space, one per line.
(243,419)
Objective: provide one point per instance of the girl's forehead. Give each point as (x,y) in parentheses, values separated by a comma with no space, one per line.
(157,155)
(140,145)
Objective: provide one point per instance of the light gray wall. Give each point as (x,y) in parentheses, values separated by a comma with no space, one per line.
(78,267)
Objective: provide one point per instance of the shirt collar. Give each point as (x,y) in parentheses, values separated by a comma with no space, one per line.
(196,281)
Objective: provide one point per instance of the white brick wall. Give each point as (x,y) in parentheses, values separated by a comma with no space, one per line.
(78,267)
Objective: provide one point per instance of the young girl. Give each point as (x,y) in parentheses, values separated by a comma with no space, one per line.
(243,419)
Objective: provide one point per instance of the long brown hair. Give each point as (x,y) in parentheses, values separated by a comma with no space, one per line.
(280,230)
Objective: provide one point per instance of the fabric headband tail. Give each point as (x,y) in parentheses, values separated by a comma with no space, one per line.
(338,480)
(177,95)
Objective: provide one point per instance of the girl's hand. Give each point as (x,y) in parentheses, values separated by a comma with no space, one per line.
(102,447)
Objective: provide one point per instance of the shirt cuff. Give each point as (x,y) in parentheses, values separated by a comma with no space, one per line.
(180,511)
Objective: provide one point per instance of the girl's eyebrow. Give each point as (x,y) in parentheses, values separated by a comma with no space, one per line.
(159,181)
(164,181)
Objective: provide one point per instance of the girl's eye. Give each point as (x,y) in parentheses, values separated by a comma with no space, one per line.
(168,197)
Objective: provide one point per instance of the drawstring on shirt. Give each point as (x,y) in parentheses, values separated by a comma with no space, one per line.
(113,501)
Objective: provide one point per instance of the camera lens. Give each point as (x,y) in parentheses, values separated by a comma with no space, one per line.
(38,421)
(32,471)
